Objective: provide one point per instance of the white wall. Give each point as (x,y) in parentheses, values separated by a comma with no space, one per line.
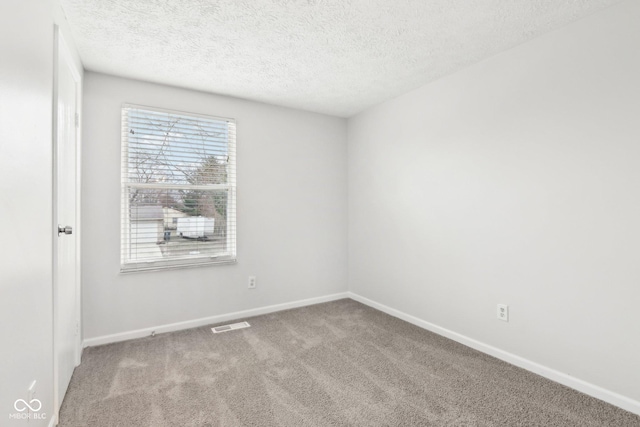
(292,212)
(26,88)
(26,48)
(514,181)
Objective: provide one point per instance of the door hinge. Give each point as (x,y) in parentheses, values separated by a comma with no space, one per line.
(77,120)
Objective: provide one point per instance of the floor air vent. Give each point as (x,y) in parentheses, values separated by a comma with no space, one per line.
(225,328)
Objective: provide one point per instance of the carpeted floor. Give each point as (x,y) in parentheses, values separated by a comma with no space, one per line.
(334,364)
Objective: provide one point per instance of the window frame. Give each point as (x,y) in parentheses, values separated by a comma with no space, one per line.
(189,261)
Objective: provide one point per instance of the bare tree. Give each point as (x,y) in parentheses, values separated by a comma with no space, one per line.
(178,152)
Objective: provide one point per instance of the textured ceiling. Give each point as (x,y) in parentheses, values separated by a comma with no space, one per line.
(330,56)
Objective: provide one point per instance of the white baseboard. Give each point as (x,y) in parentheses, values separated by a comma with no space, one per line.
(557,376)
(139,333)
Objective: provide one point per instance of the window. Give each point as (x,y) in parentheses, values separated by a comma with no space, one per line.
(178,189)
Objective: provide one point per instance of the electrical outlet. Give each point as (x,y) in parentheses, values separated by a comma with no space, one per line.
(503,312)
(252,282)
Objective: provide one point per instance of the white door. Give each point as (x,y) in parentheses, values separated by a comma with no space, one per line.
(66,290)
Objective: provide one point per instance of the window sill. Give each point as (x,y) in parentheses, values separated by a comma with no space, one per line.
(142,267)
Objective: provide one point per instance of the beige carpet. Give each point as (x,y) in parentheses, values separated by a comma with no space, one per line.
(333,364)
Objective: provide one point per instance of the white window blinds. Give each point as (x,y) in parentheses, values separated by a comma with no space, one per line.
(178,189)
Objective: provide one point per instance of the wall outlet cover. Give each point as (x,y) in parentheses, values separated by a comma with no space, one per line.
(503,312)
